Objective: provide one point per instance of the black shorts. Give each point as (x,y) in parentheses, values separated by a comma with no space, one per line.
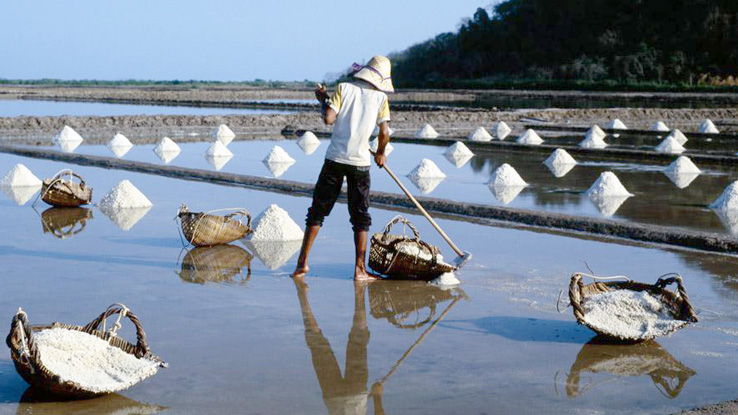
(328,188)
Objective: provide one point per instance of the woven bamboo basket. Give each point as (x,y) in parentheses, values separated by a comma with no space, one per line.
(203,229)
(676,302)
(63,191)
(219,263)
(403,303)
(388,256)
(65,222)
(25,354)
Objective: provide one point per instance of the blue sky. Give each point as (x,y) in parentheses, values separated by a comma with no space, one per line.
(225,40)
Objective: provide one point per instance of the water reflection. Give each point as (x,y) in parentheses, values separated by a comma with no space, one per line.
(278,168)
(628,360)
(506,194)
(20,194)
(608,205)
(33,402)
(559,170)
(69,146)
(218,162)
(65,222)
(120,151)
(273,254)
(426,184)
(681,180)
(125,218)
(166,156)
(218,263)
(458,161)
(729,219)
(403,303)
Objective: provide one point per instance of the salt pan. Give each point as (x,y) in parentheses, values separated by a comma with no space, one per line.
(426,169)
(68,135)
(530,137)
(728,200)
(670,145)
(19,176)
(374,144)
(506,176)
(607,185)
(273,254)
(427,131)
(218,149)
(616,124)
(223,134)
(480,134)
(678,136)
(124,196)
(278,155)
(308,142)
(659,126)
(275,224)
(501,130)
(592,140)
(707,126)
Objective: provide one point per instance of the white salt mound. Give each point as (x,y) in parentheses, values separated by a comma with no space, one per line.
(632,315)
(275,224)
(596,130)
(427,131)
(458,150)
(659,126)
(90,361)
(20,194)
(506,176)
(559,157)
(501,130)
(607,185)
(217,162)
(308,142)
(708,127)
(278,155)
(19,176)
(374,144)
(224,134)
(425,184)
(447,279)
(69,146)
(67,134)
(119,140)
(480,134)
(416,250)
(530,137)
(670,145)
(678,136)
(273,254)
(616,124)
(683,165)
(166,145)
(427,169)
(125,218)
(124,196)
(218,149)
(592,140)
(728,200)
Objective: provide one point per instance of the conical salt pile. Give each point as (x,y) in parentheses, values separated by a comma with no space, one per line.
(119,145)
(278,155)
(20,194)
(678,136)
(67,135)
(217,162)
(616,124)
(224,134)
(426,132)
(530,137)
(682,165)
(167,149)
(607,185)
(659,126)
(308,142)
(275,224)
(426,184)
(427,169)
(273,254)
(728,200)
(458,150)
(374,144)
(592,140)
(124,196)
(560,162)
(480,134)
(506,176)
(501,130)
(670,145)
(218,149)
(125,218)
(19,176)
(596,130)
(708,127)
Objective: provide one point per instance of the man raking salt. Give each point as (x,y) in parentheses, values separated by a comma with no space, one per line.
(354,111)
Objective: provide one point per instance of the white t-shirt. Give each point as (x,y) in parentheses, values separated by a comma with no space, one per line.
(360,107)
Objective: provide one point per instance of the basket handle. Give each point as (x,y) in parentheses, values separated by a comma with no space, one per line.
(393,320)
(20,328)
(575,296)
(398,219)
(67,172)
(687,309)
(242,212)
(142,346)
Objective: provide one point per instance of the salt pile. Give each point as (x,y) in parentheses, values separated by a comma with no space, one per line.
(20,176)
(217,162)
(506,176)
(480,134)
(629,315)
(728,200)
(124,196)
(90,361)
(68,135)
(729,219)
(167,150)
(218,149)
(69,146)
(273,254)
(374,144)
(427,169)
(678,136)
(447,279)
(458,154)
(415,250)
(708,127)
(119,145)
(223,134)
(659,126)
(126,218)
(616,124)
(592,140)
(275,224)
(426,184)
(308,142)
(670,145)
(596,130)
(682,172)
(530,137)
(20,194)
(560,162)
(278,155)
(607,185)
(277,169)
(501,130)
(426,132)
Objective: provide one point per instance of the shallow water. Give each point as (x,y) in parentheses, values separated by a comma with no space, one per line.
(263,344)
(18,108)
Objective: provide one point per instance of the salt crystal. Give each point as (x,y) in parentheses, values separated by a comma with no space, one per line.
(374,144)
(501,130)
(223,134)
(218,149)
(425,170)
(530,137)
(681,165)
(670,145)
(18,176)
(596,130)
(506,176)
(659,126)
(415,250)
(447,279)
(275,224)
(728,200)
(678,136)
(708,127)
(68,135)
(278,155)
(592,140)
(20,194)
(427,131)
(616,124)
(125,218)
(124,196)
(480,134)
(273,254)
(308,142)
(607,185)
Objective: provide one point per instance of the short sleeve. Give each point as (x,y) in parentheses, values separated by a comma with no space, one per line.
(335,102)
(384,112)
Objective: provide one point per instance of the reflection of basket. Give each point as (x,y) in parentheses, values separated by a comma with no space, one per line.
(33,402)
(219,263)
(65,222)
(398,256)
(25,353)
(399,301)
(677,303)
(61,190)
(203,229)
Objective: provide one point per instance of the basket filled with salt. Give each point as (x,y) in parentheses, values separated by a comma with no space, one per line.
(631,311)
(66,189)
(404,257)
(81,362)
(206,229)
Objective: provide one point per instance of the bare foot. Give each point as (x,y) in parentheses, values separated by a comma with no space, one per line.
(300,271)
(360,274)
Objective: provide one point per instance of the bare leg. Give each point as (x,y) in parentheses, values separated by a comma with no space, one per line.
(311,232)
(360,273)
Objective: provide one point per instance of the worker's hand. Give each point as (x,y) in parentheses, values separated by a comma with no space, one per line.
(321,93)
(380,159)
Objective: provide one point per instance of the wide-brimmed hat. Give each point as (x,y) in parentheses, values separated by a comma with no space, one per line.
(378,73)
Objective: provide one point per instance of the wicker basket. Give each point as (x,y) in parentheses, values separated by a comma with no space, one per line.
(61,190)
(65,222)
(218,263)
(387,255)
(677,303)
(25,355)
(203,229)
(402,302)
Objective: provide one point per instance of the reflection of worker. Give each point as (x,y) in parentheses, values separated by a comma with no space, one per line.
(341,394)
(354,111)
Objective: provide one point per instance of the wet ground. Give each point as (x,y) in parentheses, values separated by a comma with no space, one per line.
(19,108)
(257,342)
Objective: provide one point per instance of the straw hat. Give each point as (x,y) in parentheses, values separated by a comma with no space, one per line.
(378,73)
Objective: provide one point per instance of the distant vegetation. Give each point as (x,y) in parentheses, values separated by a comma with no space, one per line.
(136,82)
(640,44)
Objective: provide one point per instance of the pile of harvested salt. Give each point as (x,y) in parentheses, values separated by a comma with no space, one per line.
(90,361)
(678,136)
(592,140)
(616,124)
(501,130)
(659,126)
(708,127)
(124,196)
(416,250)
(20,194)
(278,155)
(374,144)
(119,145)
(670,145)
(67,135)
(308,142)
(447,279)
(530,137)
(728,200)
(166,145)
(480,134)
(224,134)
(506,176)
(427,169)
(607,185)
(20,176)
(682,172)
(458,150)
(277,169)
(275,224)
(595,129)
(560,162)
(426,184)
(629,315)
(273,254)
(427,131)
(218,149)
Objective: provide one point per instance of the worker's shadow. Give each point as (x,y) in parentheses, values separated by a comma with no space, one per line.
(528,329)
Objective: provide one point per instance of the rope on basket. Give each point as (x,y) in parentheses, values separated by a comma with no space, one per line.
(57,178)
(114,329)
(25,350)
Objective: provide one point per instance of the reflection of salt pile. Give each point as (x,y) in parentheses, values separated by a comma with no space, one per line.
(218,149)
(20,194)
(593,139)
(480,134)
(125,205)
(659,126)
(608,193)
(616,124)
(273,254)
(530,137)
(374,144)
(223,134)
(20,184)
(125,218)
(68,139)
(678,136)
(426,184)
(119,145)
(275,224)
(670,145)
(506,183)
(708,127)
(427,131)
(427,169)
(560,162)
(167,150)
(501,130)
(458,154)
(278,161)
(308,142)
(682,172)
